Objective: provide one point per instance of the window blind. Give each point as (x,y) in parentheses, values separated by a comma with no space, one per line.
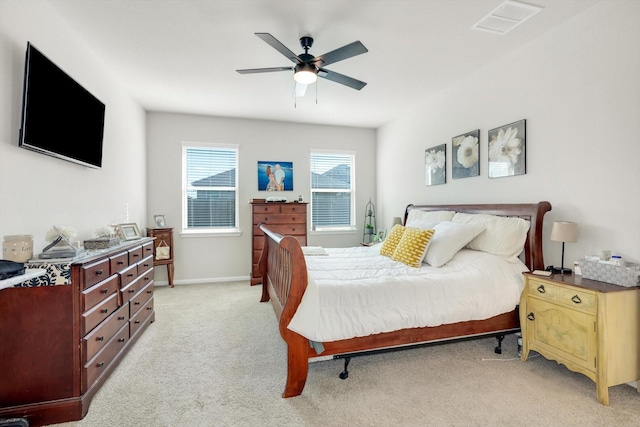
(332,191)
(210,178)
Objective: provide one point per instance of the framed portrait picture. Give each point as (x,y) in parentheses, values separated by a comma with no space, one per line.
(465,155)
(160,221)
(435,164)
(128,231)
(275,176)
(507,150)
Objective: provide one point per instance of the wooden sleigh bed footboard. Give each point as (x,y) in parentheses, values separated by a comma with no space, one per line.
(284,281)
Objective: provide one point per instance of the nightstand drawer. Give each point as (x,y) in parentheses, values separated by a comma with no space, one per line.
(578,299)
(544,290)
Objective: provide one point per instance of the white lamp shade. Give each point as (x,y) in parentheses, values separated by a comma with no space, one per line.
(396,220)
(564,231)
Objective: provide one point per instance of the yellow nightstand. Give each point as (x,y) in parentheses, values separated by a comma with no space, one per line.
(590,327)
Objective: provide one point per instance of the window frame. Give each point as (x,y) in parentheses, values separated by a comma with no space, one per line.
(186,231)
(352,193)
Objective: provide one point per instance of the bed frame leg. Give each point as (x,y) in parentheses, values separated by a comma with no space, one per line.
(498,348)
(345,374)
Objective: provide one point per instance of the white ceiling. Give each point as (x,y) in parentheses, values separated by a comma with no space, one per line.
(181,55)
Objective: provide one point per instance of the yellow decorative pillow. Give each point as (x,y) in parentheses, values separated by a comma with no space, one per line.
(413,246)
(392,240)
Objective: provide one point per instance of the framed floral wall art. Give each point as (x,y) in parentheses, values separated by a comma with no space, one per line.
(435,163)
(465,155)
(507,155)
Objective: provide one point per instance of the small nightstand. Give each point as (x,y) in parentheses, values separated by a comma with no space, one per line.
(163,235)
(590,327)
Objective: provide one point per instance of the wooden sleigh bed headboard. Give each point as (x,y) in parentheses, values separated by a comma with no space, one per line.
(284,281)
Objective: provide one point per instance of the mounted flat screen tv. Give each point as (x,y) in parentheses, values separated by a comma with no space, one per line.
(59,117)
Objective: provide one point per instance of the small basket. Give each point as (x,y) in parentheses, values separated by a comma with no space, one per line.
(101,243)
(628,275)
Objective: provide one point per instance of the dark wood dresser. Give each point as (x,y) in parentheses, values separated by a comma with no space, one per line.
(285,218)
(60,343)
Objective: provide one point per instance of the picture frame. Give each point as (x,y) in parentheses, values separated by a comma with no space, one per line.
(507,150)
(275,176)
(160,221)
(465,155)
(435,164)
(129,231)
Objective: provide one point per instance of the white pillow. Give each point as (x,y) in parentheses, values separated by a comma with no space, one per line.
(502,236)
(416,214)
(424,224)
(448,239)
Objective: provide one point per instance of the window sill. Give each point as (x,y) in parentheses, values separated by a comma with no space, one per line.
(210,233)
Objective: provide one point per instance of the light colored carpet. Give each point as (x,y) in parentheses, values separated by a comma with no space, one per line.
(214,358)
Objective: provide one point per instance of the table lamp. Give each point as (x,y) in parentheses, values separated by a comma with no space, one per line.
(565,232)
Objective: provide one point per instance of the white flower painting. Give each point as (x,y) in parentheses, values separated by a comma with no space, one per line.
(507,150)
(465,161)
(435,163)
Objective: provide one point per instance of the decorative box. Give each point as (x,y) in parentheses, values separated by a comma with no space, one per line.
(627,276)
(101,243)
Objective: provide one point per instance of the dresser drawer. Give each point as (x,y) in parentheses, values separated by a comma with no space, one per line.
(145,265)
(119,262)
(94,273)
(578,299)
(267,209)
(141,317)
(294,208)
(98,365)
(280,219)
(284,229)
(91,318)
(98,338)
(128,275)
(147,249)
(135,255)
(98,293)
(544,290)
(130,290)
(139,299)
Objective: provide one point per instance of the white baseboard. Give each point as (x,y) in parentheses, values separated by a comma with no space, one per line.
(210,280)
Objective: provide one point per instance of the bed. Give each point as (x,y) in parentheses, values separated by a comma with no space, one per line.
(288,274)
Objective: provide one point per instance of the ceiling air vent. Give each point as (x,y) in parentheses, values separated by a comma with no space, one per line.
(506,17)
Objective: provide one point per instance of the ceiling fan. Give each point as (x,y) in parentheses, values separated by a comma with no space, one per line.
(308,68)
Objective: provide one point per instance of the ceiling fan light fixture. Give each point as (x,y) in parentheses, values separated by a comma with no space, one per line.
(305,74)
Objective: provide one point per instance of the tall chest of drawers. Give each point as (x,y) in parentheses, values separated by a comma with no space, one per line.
(285,218)
(590,327)
(61,342)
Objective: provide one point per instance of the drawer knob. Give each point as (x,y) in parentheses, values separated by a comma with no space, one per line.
(104,310)
(104,291)
(120,262)
(121,340)
(131,291)
(130,275)
(576,299)
(137,322)
(136,255)
(120,317)
(99,338)
(99,272)
(136,303)
(149,291)
(146,265)
(531,316)
(541,289)
(100,365)
(146,278)
(149,308)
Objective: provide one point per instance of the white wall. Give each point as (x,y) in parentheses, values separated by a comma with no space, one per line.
(578,86)
(39,191)
(219,258)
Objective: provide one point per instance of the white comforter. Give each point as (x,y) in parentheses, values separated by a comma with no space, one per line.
(356,292)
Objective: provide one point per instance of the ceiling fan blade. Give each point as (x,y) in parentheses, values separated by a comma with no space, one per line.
(300,89)
(274,43)
(264,70)
(344,52)
(341,78)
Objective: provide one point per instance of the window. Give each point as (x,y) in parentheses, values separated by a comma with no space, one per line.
(210,193)
(332,191)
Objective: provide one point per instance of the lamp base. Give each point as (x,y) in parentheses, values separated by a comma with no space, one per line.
(556,270)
